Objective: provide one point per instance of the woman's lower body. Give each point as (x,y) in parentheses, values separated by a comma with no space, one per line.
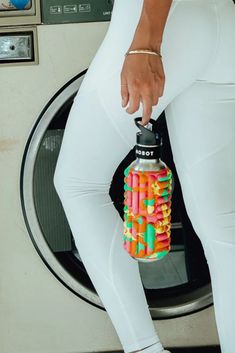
(198,53)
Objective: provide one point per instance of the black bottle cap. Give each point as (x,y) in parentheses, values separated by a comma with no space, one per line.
(149,141)
(148,136)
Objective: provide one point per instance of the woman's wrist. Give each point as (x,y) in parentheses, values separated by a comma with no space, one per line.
(144,44)
(149,31)
(140,42)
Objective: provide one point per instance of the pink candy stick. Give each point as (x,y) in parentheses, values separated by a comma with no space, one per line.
(129,193)
(135,200)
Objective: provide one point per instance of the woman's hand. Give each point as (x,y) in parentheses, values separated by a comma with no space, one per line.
(142,80)
(142,76)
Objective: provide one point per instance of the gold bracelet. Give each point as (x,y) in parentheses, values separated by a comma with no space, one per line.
(143,51)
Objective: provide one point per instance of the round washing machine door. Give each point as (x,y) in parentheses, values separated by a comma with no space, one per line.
(177,285)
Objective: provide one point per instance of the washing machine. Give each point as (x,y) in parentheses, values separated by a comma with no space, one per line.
(47,301)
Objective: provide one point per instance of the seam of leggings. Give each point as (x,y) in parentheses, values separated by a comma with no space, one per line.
(111,250)
(145,343)
(218,39)
(218,31)
(87,193)
(118,297)
(136,343)
(111,121)
(223,242)
(184,171)
(211,154)
(113,283)
(196,206)
(218,34)
(87,181)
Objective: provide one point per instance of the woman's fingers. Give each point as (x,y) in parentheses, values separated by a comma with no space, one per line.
(134,102)
(132,95)
(148,96)
(161,81)
(147,102)
(160,87)
(124,93)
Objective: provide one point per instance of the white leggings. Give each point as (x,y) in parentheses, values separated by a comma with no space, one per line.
(198,53)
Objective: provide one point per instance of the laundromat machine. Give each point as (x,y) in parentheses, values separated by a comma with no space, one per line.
(47,301)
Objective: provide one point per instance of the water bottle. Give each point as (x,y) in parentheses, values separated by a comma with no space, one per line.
(147,198)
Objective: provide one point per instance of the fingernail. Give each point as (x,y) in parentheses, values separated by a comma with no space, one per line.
(123,102)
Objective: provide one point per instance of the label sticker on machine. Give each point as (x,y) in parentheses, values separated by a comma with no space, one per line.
(55,10)
(85,8)
(6,5)
(70,9)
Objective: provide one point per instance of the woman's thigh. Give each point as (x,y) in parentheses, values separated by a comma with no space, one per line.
(201,126)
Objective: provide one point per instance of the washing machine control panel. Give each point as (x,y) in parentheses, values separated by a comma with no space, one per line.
(67,11)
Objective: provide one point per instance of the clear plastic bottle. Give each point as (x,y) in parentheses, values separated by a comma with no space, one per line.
(147,193)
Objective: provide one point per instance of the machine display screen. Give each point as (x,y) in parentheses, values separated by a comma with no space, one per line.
(7,5)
